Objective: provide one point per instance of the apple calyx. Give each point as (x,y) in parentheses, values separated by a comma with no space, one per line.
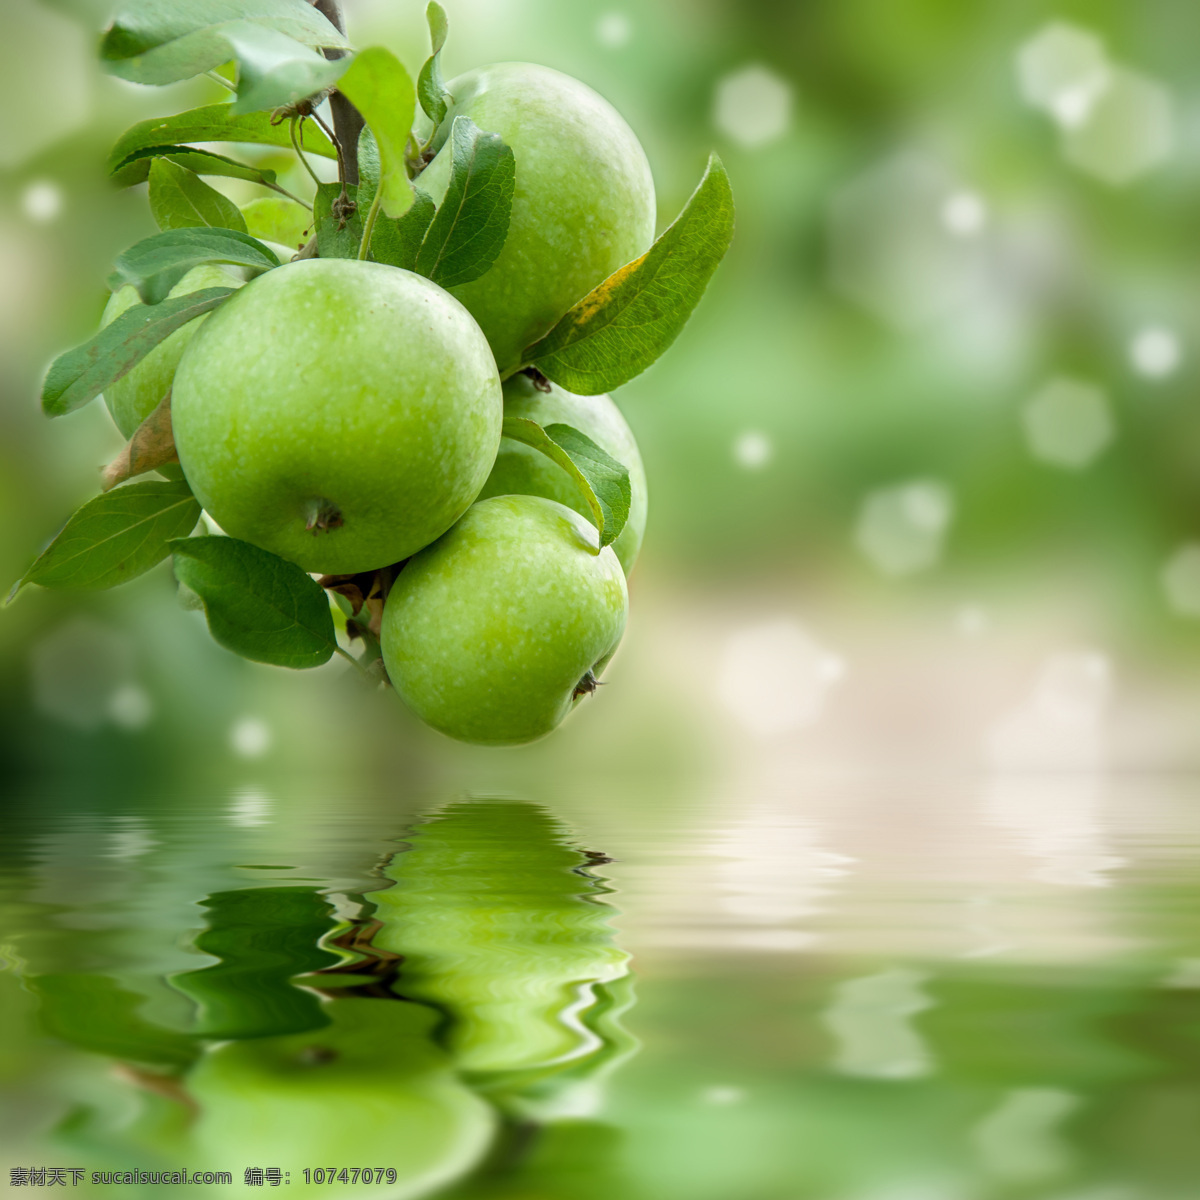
(323,515)
(586,686)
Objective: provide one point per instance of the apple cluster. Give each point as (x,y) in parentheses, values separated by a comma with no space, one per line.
(410,404)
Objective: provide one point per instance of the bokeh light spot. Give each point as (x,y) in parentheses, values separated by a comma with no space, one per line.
(614,30)
(249,808)
(964,213)
(773,677)
(753,106)
(250,737)
(76,669)
(1062,70)
(1155,352)
(752,450)
(1181,580)
(53,66)
(901,529)
(898,241)
(1068,423)
(130,707)
(1128,129)
(42,201)
(722,1094)
(871,1019)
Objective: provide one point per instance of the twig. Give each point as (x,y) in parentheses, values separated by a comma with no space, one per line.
(290,195)
(347,120)
(299,152)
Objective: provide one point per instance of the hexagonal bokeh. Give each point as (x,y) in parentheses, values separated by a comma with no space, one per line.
(78,669)
(613,29)
(1181,580)
(1068,423)
(54,65)
(1062,69)
(753,106)
(1127,130)
(1155,352)
(752,450)
(903,240)
(901,529)
(773,677)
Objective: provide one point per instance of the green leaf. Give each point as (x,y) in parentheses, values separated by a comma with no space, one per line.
(115,537)
(161,41)
(380,88)
(619,328)
(275,70)
(277,219)
(468,232)
(213,123)
(393,242)
(156,264)
(430,88)
(83,373)
(136,168)
(263,938)
(603,481)
(397,243)
(258,605)
(180,199)
(337,236)
(95,1012)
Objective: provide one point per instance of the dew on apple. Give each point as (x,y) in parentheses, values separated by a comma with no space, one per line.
(901,529)
(1155,352)
(753,106)
(250,737)
(1068,423)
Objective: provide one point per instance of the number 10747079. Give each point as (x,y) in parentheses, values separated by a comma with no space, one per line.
(350,1175)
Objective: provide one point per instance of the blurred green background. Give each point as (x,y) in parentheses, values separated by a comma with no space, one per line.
(946,373)
(923,562)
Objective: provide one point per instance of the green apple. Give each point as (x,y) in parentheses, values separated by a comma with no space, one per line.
(496,631)
(583,204)
(135,396)
(371,1089)
(340,414)
(500,930)
(520,468)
